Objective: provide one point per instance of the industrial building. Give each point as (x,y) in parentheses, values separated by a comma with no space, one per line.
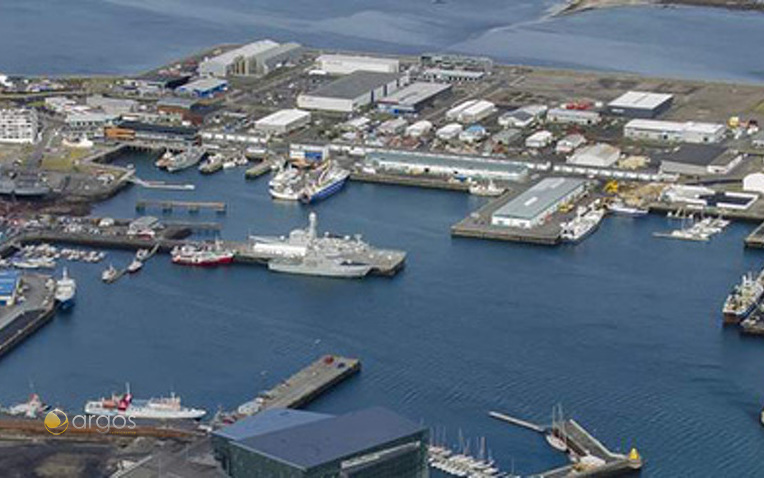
(640,104)
(456,62)
(600,155)
(754,183)
(568,116)
(532,207)
(393,127)
(507,136)
(90,124)
(156,83)
(18,125)
(449,132)
(419,129)
(185,109)
(674,132)
(347,64)
(412,98)
(308,152)
(112,106)
(570,143)
(257,58)
(280,443)
(471,111)
(135,130)
(698,160)
(473,134)
(203,87)
(351,92)
(522,117)
(451,165)
(451,76)
(283,122)
(539,140)
(10,285)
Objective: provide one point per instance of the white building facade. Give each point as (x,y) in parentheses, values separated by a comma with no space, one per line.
(18,126)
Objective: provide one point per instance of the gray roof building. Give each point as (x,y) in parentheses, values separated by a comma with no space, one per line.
(355,84)
(369,443)
(532,206)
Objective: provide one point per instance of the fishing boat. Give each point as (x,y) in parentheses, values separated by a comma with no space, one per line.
(622,209)
(743,299)
(66,289)
(330,180)
(164,160)
(202,256)
(142,254)
(586,221)
(32,408)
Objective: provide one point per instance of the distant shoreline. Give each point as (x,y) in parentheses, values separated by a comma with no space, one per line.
(571,7)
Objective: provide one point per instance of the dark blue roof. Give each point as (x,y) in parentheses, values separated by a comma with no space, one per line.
(325,441)
(268,421)
(8,281)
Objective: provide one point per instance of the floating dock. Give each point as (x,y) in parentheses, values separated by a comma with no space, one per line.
(191,206)
(310,382)
(258,170)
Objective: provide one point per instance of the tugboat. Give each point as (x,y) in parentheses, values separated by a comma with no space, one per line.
(743,299)
(163,408)
(66,289)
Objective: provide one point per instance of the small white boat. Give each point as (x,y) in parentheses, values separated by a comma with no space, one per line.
(134,266)
(142,255)
(110,274)
(625,210)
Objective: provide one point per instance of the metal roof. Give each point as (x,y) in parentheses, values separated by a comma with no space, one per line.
(539,197)
(8,281)
(415,93)
(283,117)
(640,100)
(268,421)
(462,163)
(203,84)
(355,84)
(248,50)
(695,154)
(325,441)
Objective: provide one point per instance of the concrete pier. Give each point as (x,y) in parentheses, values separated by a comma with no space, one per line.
(412,181)
(310,382)
(191,206)
(19,321)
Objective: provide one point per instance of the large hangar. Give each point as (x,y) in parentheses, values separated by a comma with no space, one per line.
(351,92)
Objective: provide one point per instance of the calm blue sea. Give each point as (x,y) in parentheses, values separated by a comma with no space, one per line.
(623,330)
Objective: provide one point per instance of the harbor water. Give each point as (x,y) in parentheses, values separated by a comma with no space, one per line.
(127,36)
(624,330)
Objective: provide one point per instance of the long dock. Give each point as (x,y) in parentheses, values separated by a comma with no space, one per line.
(309,383)
(755,239)
(191,206)
(517,421)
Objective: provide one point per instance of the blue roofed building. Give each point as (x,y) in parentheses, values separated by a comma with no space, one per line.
(10,283)
(281,443)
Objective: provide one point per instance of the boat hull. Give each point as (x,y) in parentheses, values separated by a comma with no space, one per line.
(324,192)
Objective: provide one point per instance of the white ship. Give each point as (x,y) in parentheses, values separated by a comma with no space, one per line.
(286,185)
(585,222)
(163,408)
(134,266)
(316,264)
(110,274)
(66,289)
(623,209)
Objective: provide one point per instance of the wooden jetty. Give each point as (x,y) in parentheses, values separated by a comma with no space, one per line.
(191,206)
(309,383)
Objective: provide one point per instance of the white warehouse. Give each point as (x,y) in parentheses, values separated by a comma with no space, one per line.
(283,121)
(674,132)
(471,111)
(18,126)
(600,155)
(532,207)
(257,58)
(346,64)
(350,92)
